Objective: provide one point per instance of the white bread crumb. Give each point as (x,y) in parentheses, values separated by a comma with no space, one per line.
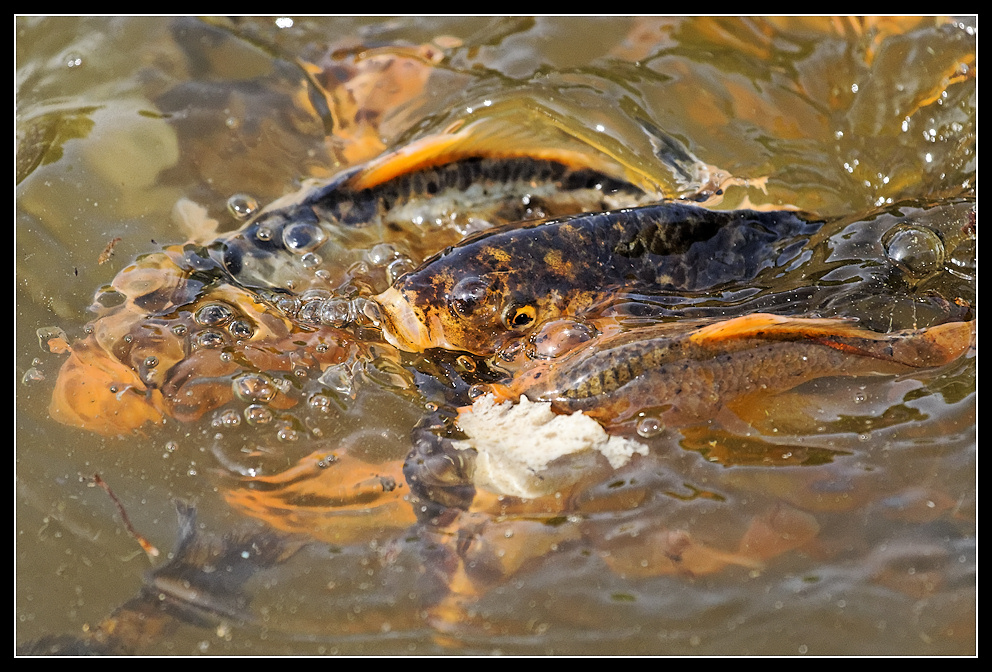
(516,442)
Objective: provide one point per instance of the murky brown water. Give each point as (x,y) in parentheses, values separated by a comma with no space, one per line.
(121,118)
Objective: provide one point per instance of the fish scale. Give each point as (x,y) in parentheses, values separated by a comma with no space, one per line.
(261,254)
(694,367)
(567,266)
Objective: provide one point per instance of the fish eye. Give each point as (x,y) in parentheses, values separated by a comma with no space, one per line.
(519,316)
(470,298)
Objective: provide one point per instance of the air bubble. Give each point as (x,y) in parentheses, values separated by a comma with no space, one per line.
(511,351)
(32,375)
(465,363)
(45,334)
(214,314)
(256,414)
(254,388)
(559,336)
(962,260)
(310,311)
(241,329)
(381,254)
(288,305)
(228,418)
(340,379)
(287,434)
(326,462)
(335,313)
(311,260)
(366,312)
(209,338)
(916,250)
(398,268)
(649,427)
(110,298)
(242,206)
(320,403)
(303,237)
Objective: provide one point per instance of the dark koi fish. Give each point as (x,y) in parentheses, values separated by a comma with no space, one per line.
(426,195)
(499,284)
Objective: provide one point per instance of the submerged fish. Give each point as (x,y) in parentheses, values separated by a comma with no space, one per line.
(688,371)
(176,348)
(495,286)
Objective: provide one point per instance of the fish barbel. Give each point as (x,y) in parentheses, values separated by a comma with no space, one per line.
(689,370)
(499,284)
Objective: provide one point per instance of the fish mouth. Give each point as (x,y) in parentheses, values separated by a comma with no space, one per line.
(402,324)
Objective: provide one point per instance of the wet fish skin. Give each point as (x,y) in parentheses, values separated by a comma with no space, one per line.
(105,386)
(266,252)
(690,370)
(495,285)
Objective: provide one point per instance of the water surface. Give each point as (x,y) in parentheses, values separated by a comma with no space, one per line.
(120,118)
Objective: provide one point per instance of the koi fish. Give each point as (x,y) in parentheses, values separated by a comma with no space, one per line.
(428,194)
(151,355)
(499,284)
(690,370)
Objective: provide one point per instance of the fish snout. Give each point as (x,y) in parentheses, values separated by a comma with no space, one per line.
(402,324)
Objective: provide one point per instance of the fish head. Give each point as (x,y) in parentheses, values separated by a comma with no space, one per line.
(487,293)
(476,313)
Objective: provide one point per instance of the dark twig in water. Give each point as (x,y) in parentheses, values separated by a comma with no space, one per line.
(146,545)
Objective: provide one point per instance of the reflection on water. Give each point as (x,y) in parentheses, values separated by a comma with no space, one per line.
(869,124)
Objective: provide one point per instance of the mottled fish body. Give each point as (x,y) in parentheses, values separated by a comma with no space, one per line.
(284,246)
(498,284)
(687,371)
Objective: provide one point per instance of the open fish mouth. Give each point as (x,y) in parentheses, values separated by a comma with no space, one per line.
(405,327)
